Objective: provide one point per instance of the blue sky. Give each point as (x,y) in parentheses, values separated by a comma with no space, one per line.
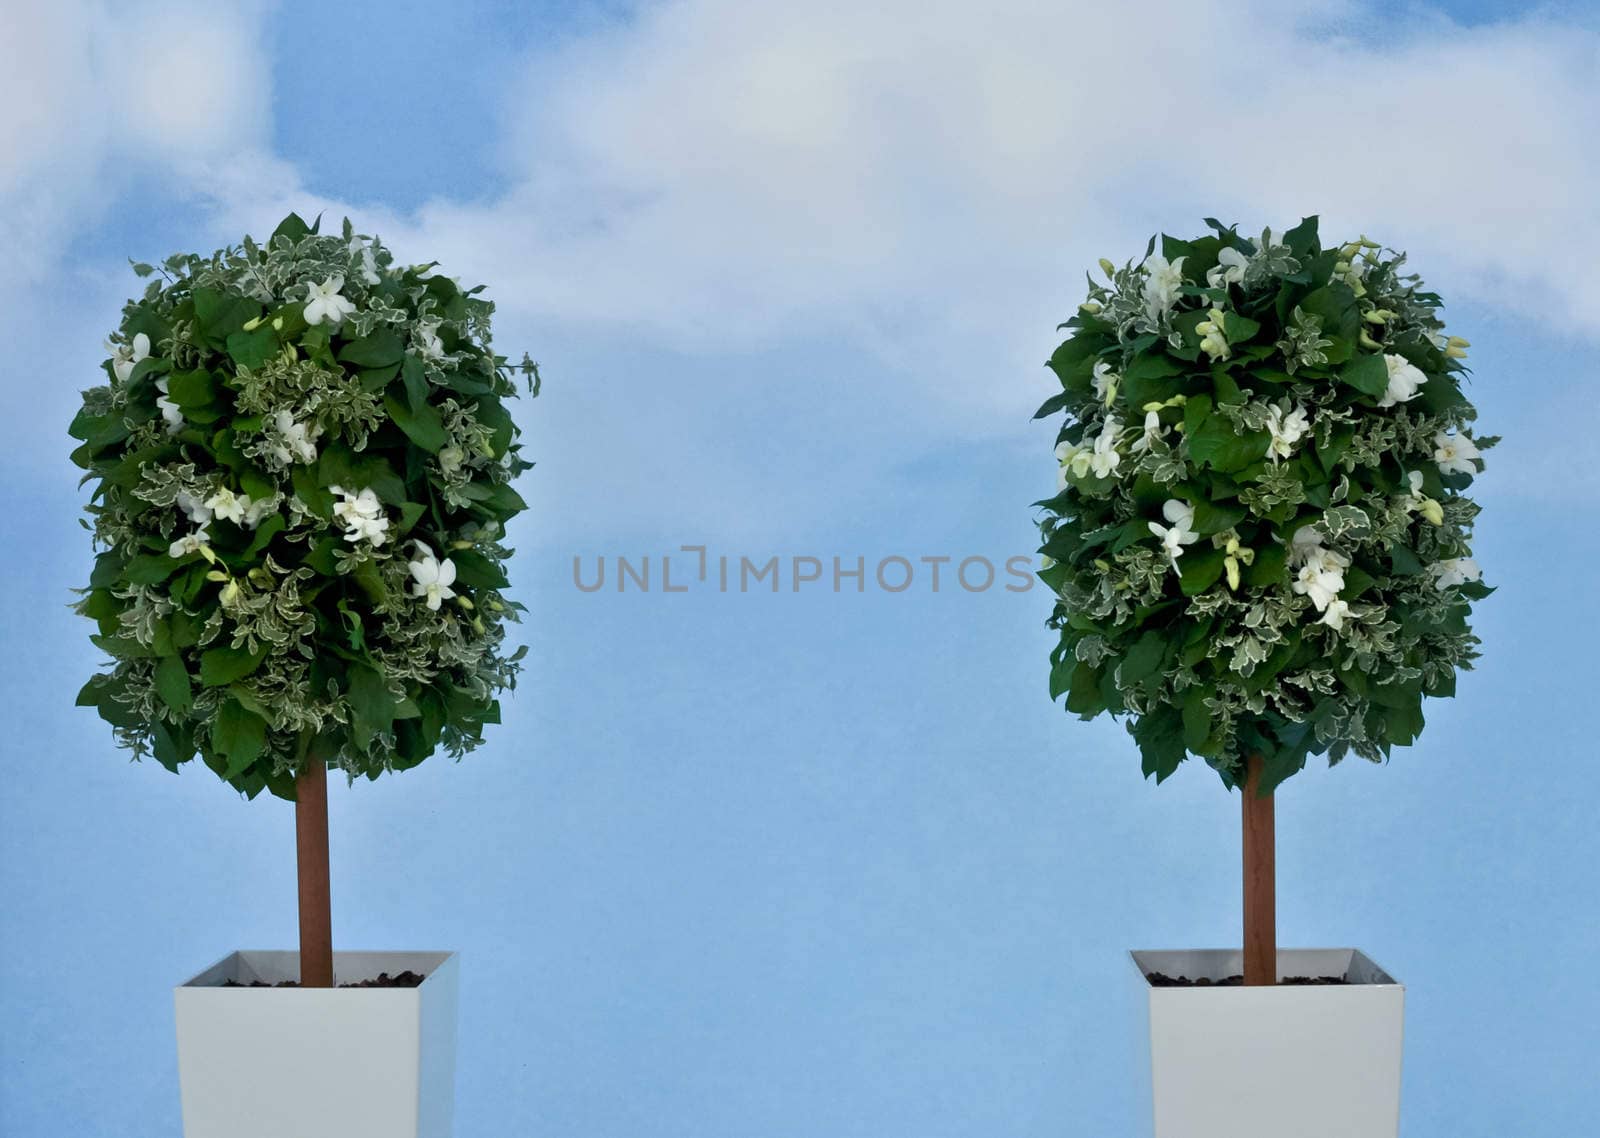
(809,864)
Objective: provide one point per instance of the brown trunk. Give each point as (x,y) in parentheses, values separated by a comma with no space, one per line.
(311,845)
(1260,891)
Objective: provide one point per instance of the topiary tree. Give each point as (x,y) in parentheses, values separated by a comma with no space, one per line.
(1260,544)
(301,468)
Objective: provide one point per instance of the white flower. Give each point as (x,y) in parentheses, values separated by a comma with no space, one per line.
(1405,381)
(1306,541)
(432,578)
(189,543)
(1073,457)
(1213,335)
(1161,285)
(1181,530)
(1286,428)
(1105,382)
(228,506)
(298,441)
(1153,430)
(369,264)
(1455,571)
(362,516)
(427,342)
(198,512)
(451,456)
(258,509)
(1229,268)
(170,411)
(323,302)
(1455,454)
(1322,587)
(1420,502)
(125,357)
(1321,570)
(1105,459)
(1270,239)
(1333,616)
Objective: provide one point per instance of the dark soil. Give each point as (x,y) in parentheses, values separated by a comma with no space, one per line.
(1162,980)
(406,979)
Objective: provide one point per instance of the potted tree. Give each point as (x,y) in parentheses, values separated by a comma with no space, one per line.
(1259,552)
(301,467)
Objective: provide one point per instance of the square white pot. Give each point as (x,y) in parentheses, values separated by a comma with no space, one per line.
(318,1062)
(1273,1062)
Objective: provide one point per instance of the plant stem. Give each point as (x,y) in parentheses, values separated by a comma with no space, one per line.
(1260,885)
(311,847)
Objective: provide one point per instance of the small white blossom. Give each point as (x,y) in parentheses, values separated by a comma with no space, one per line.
(258,509)
(297,441)
(1322,587)
(323,302)
(1455,454)
(450,458)
(369,264)
(228,506)
(1073,457)
(1286,427)
(1229,268)
(431,578)
(1334,615)
(125,357)
(198,512)
(1405,381)
(426,340)
(1214,336)
(1153,430)
(1454,571)
(170,411)
(1161,285)
(1180,530)
(1105,382)
(1105,459)
(1418,501)
(189,543)
(362,516)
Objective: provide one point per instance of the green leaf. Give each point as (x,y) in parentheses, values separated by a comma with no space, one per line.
(239,735)
(423,427)
(1199,569)
(1083,696)
(1217,445)
(293,227)
(224,664)
(416,381)
(220,314)
(1367,374)
(1144,658)
(476,571)
(252,349)
(1159,734)
(1196,719)
(1214,517)
(379,348)
(150,569)
(192,389)
(172,684)
(370,699)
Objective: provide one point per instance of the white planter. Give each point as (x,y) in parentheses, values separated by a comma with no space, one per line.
(318,1062)
(1274,1062)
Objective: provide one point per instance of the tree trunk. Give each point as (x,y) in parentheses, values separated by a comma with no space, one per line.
(1260,888)
(311,846)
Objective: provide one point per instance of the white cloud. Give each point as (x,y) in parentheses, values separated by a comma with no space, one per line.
(94,95)
(930,181)
(922,183)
